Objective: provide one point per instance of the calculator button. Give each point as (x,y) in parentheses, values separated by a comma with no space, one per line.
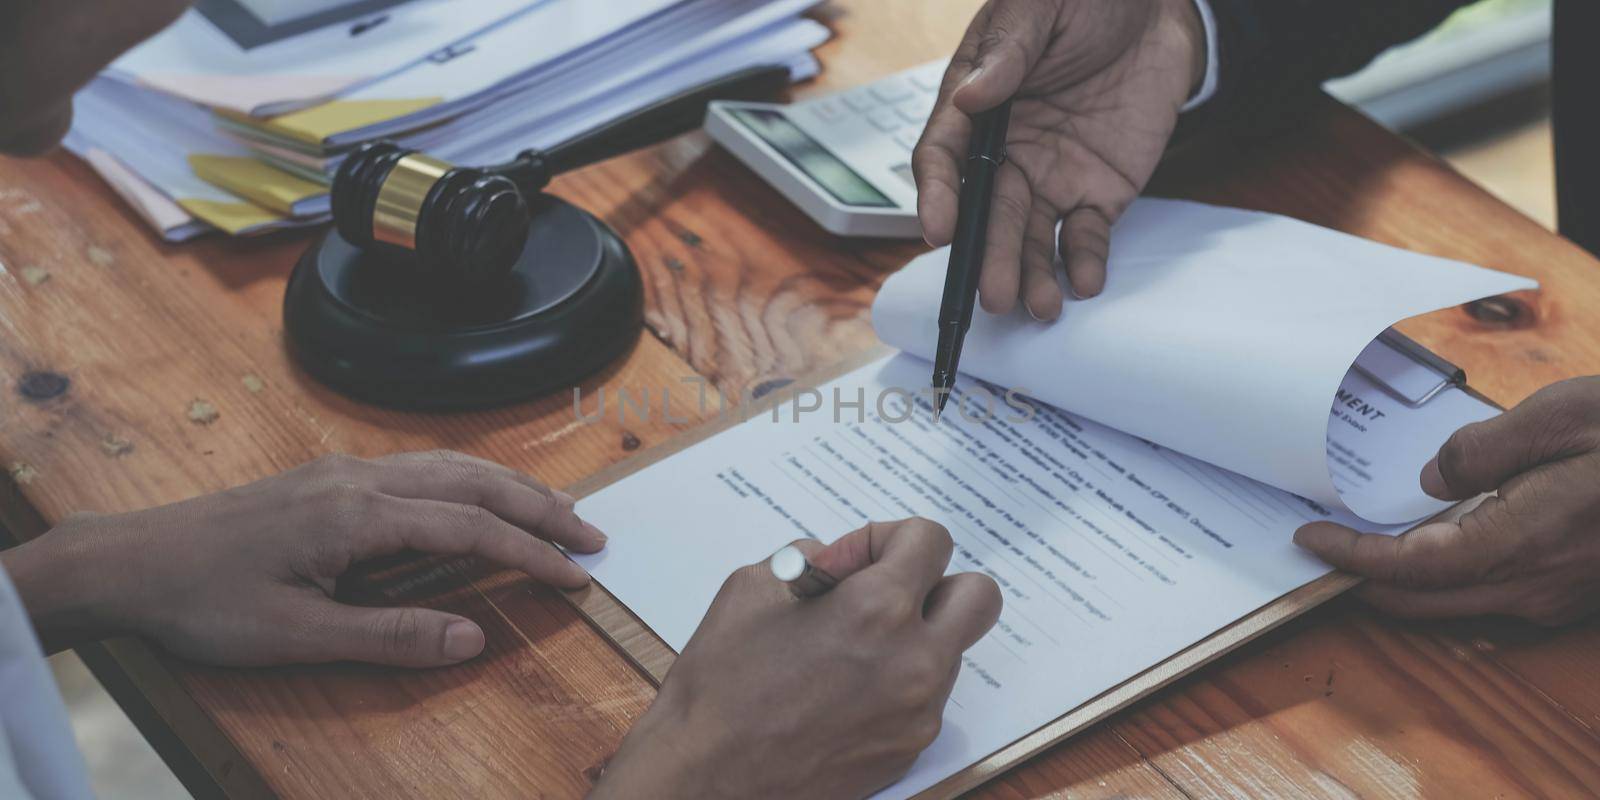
(891,91)
(860,101)
(905,173)
(885,121)
(906,139)
(915,112)
(927,80)
(828,109)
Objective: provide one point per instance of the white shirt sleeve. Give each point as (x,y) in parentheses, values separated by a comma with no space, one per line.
(1208,87)
(38,758)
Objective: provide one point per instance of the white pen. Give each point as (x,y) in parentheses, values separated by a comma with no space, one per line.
(803,578)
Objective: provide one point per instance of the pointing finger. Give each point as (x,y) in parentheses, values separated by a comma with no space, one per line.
(1002,260)
(1086,246)
(936,163)
(1041,291)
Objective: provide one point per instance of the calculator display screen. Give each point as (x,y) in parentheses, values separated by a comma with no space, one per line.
(810,157)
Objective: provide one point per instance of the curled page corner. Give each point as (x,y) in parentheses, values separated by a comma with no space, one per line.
(1390,415)
(1221,334)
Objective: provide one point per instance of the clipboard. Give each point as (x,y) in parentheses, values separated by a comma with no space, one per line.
(653,657)
(1389,361)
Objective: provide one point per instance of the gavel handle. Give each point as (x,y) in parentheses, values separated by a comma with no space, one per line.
(656,123)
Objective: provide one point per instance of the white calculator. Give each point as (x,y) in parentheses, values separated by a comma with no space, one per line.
(844,158)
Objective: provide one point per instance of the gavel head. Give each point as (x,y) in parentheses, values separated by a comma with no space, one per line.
(459,226)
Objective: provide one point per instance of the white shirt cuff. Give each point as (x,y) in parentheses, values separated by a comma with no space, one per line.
(1208,87)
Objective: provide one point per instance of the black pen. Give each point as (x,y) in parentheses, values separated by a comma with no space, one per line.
(984,156)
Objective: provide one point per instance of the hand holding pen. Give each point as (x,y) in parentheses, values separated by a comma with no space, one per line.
(861,672)
(1099,86)
(799,573)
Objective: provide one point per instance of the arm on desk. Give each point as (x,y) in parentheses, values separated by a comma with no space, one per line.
(50,50)
(246,576)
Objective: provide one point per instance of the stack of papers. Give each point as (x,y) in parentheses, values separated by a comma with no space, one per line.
(236,117)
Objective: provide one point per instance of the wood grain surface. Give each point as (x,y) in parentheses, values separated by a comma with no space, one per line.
(108,338)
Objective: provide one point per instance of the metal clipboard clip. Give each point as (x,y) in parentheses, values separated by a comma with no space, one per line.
(1407,371)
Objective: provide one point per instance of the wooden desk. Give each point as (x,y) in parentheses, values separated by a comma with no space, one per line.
(746,292)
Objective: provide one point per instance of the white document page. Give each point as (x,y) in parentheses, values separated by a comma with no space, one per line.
(194,60)
(1245,321)
(1377,444)
(542,42)
(600,102)
(1113,553)
(139,141)
(541,57)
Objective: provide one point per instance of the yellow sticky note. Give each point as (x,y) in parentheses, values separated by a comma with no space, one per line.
(260,183)
(231,218)
(315,125)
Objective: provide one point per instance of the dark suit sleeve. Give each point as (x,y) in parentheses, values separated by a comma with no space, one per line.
(1274,54)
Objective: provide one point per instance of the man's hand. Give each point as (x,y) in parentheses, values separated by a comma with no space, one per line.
(1098,87)
(829,697)
(48,50)
(1532,552)
(246,576)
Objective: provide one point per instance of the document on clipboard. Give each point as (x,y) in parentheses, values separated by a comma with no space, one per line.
(1125,559)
